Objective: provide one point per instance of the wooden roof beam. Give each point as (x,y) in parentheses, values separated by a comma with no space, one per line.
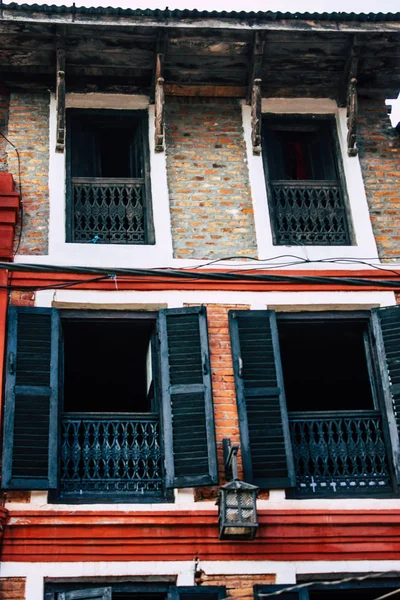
(159,94)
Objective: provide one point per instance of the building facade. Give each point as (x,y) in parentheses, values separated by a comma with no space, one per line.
(200,246)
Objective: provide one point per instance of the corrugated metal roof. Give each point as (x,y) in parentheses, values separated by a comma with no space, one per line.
(204,14)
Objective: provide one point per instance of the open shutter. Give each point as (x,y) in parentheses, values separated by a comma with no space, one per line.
(103,593)
(386,325)
(264,430)
(209,592)
(187,407)
(31,399)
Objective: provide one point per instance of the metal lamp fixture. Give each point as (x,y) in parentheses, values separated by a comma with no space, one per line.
(237,508)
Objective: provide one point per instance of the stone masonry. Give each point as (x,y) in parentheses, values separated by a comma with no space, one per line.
(28,130)
(379,146)
(208,181)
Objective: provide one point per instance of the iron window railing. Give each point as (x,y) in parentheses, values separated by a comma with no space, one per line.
(111,454)
(339,453)
(108,211)
(309,212)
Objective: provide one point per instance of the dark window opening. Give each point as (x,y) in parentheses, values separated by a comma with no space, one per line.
(306,191)
(352,594)
(108,366)
(325,365)
(108,177)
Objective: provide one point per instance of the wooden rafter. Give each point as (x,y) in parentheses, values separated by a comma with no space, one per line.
(60,93)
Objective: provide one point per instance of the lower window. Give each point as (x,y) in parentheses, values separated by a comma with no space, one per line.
(131,591)
(373,589)
(318,400)
(108,406)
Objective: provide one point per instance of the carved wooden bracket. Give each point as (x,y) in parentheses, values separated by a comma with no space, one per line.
(256,117)
(159,104)
(256,62)
(352,117)
(60,97)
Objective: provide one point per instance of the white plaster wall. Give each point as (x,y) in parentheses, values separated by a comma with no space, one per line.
(183,572)
(365,246)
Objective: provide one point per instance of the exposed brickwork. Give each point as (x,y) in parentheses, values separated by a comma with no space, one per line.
(211,206)
(4,102)
(379,146)
(19,298)
(224,394)
(28,129)
(12,588)
(237,585)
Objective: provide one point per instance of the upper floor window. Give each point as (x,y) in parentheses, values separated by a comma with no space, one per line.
(306,191)
(365,590)
(108,177)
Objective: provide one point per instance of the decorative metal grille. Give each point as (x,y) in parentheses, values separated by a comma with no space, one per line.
(112,454)
(108,211)
(339,453)
(310,213)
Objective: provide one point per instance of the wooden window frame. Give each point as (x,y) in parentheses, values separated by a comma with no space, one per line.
(141,116)
(310,121)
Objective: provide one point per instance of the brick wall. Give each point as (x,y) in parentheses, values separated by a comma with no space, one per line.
(4,101)
(237,585)
(379,146)
(12,588)
(210,200)
(28,129)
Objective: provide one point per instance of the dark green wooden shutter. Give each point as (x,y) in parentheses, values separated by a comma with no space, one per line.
(104,593)
(187,407)
(386,325)
(264,431)
(31,399)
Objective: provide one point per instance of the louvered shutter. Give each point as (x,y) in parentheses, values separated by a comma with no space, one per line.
(31,399)
(386,325)
(187,407)
(264,430)
(103,593)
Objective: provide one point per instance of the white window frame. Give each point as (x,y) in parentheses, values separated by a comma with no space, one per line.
(107,255)
(364,244)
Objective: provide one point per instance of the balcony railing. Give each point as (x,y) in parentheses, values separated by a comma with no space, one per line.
(339,453)
(108,211)
(114,454)
(309,212)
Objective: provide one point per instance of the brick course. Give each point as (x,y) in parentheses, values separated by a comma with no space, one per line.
(208,181)
(379,146)
(240,586)
(28,129)
(12,588)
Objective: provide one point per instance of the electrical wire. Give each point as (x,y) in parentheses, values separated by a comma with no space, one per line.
(300,586)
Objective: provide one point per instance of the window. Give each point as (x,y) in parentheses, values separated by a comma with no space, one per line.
(125,397)
(131,591)
(108,177)
(306,190)
(318,398)
(365,590)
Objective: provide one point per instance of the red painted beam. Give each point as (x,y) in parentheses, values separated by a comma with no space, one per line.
(53,536)
(9,211)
